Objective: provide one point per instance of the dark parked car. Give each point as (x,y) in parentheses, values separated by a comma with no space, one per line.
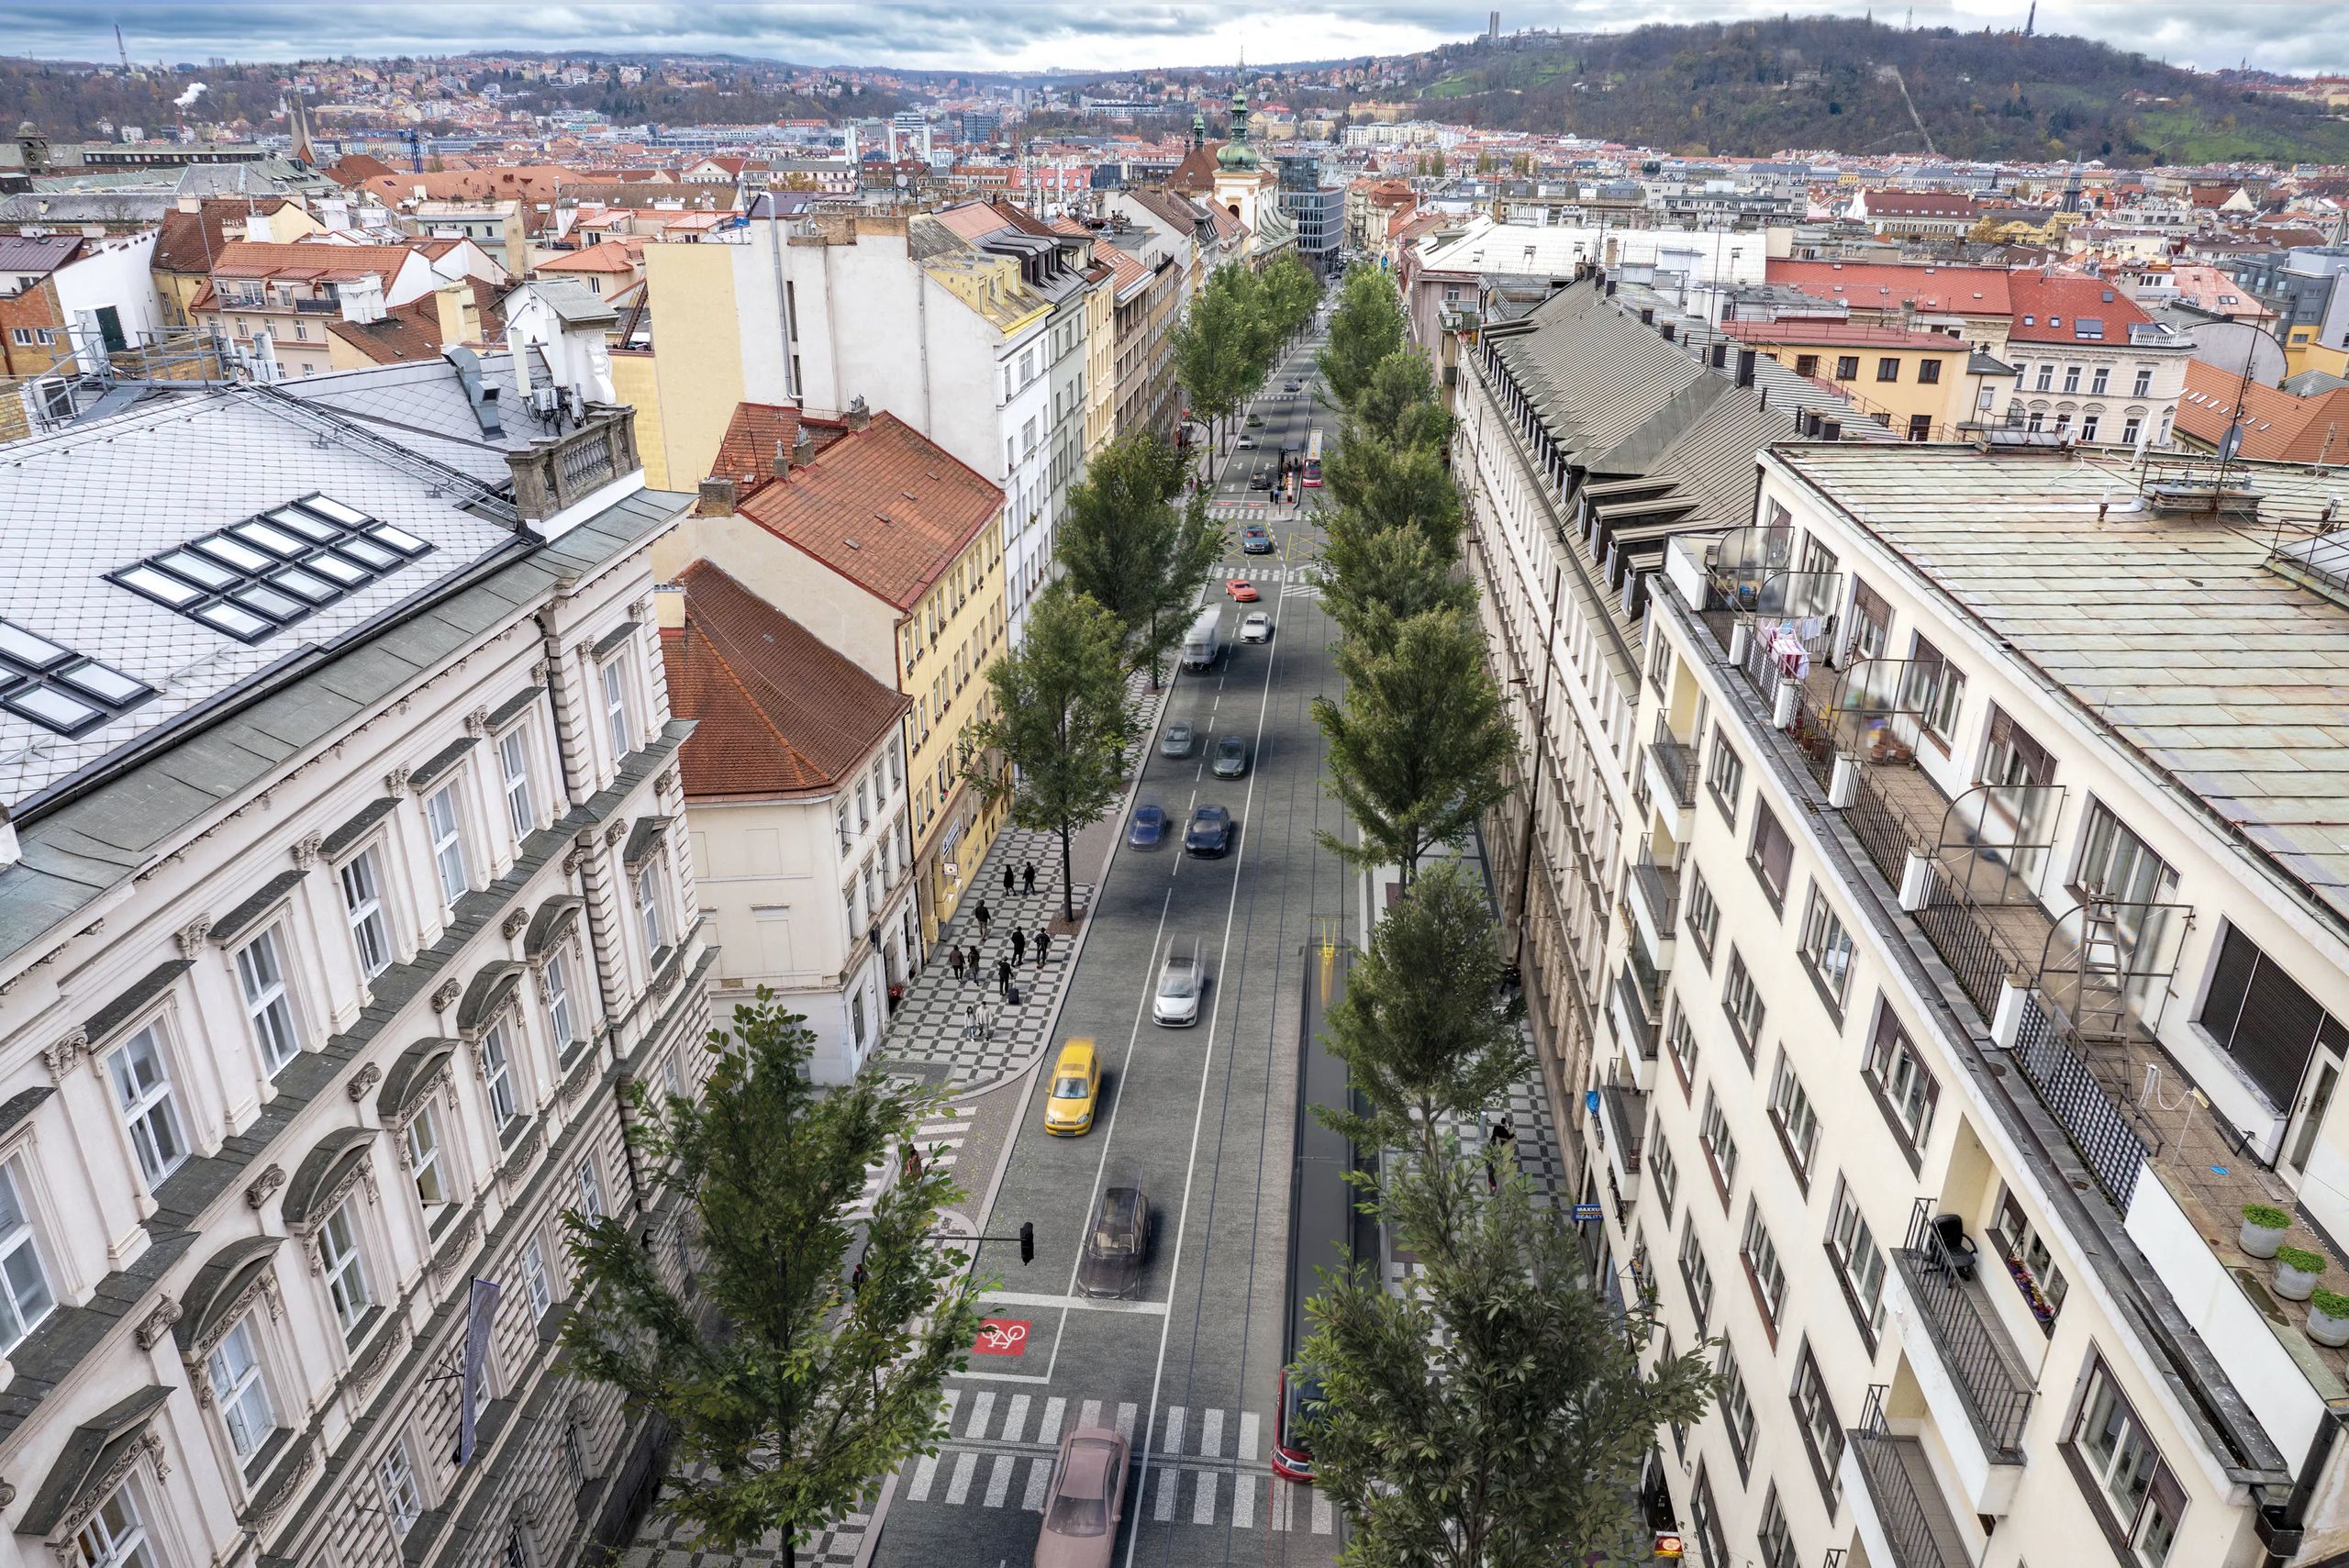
(1087,1500)
(1231,757)
(1209,832)
(1149,827)
(1117,1246)
(1176,741)
(1263,478)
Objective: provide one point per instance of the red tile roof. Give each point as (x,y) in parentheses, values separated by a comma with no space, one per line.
(258,259)
(746,454)
(1918,204)
(2048,306)
(1962,291)
(2275,424)
(603,256)
(1840,334)
(776,712)
(883,506)
(191,241)
(407,333)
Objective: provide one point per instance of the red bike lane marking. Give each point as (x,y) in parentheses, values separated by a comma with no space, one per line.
(1001,1337)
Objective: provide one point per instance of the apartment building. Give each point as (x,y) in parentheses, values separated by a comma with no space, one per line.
(1149,284)
(2001,950)
(1922,385)
(344,886)
(890,552)
(272,301)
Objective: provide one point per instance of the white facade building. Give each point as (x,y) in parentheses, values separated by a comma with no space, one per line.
(344,885)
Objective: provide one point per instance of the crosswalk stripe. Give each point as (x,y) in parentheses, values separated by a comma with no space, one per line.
(1248,1429)
(1049,1434)
(959,1486)
(1039,1472)
(1324,1517)
(1169,1481)
(1126,1413)
(1211,1435)
(1090,1415)
(1174,1417)
(982,1406)
(1281,1492)
(1203,1505)
(924,1473)
(1244,1502)
(946,1409)
(1015,1420)
(999,1480)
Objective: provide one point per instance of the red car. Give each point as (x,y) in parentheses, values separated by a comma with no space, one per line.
(1241,589)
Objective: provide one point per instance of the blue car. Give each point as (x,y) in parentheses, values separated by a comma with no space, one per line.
(1149,827)
(1209,832)
(1255,541)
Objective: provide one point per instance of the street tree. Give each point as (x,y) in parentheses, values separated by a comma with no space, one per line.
(1215,345)
(1366,327)
(1395,486)
(1137,545)
(1059,718)
(1418,741)
(1375,578)
(790,1388)
(1397,403)
(1291,292)
(1493,1413)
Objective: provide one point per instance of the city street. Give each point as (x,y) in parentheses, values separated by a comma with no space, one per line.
(1201,1118)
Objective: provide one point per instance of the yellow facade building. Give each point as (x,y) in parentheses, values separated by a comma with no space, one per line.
(1923,385)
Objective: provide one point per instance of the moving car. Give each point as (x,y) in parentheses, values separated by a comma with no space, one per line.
(1263,478)
(1117,1246)
(1255,420)
(1255,539)
(1257,628)
(1201,642)
(1149,827)
(1180,981)
(1086,1503)
(1242,590)
(1292,386)
(1230,757)
(1076,1084)
(1177,740)
(1209,832)
(1246,443)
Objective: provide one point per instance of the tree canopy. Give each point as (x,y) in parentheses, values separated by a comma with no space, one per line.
(1135,544)
(1367,326)
(1375,578)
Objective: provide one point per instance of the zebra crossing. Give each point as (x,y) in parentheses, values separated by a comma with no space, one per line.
(939,1138)
(1268,573)
(1195,1476)
(1244,511)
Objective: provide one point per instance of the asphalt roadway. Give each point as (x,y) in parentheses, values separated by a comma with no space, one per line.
(1201,1118)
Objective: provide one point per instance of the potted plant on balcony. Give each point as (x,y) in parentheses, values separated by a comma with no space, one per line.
(2263,1228)
(2297,1272)
(2328,1318)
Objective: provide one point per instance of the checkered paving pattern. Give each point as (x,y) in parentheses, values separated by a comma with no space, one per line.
(939,1138)
(964,1033)
(663,1542)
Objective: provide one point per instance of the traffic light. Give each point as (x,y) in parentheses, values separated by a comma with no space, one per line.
(1027,1241)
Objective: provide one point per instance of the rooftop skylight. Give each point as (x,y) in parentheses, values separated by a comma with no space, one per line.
(57,688)
(251,578)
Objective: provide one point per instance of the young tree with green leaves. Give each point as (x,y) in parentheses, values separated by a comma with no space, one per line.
(790,1389)
(1395,486)
(1060,719)
(1133,542)
(1375,578)
(1418,745)
(1492,1414)
(1367,326)
(1214,351)
(1397,404)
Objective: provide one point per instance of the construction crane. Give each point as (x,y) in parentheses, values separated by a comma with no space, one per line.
(415,150)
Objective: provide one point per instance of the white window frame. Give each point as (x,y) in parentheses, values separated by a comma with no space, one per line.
(1858,1255)
(150,1110)
(428,1159)
(497,1079)
(28,1294)
(115,1535)
(618,729)
(538,1287)
(362,907)
(1796,1117)
(1827,948)
(402,1500)
(447,838)
(269,1009)
(1760,1257)
(556,978)
(590,1182)
(343,1263)
(240,1392)
(514,771)
(648,906)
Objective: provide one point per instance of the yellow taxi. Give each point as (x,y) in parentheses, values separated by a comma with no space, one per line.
(1076,1079)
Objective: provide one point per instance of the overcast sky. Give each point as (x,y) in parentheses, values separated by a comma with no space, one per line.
(1030,35)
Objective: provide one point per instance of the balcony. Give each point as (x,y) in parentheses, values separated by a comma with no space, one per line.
(309,306)
(1672,774)
(1898,1505)
(1655,905)
(1622,1123)
(1975,1382)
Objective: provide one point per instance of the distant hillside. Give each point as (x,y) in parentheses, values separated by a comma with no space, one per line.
(1820,82)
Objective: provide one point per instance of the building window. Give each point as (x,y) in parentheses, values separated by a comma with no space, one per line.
(363,902)
(143,1091)
(1792,1113)
(558,989)
(1705,1520)
(2128,1477)
(1724,775)
(346,1271)
(535,1284)
(1737,1409)
(2088,427)
(1847,367)
(237,1393)
(1697,1275)
(1771,855)
(424,1159)
(1929,373)
(2260,1016)
(497,1078)
(1775,1538)
(2046,382)
(1859,1261)
(1807,364)
(2130,427)
(616,728)
(1663,1174)
(1704,916)
(2071,378)
(2144,384)
(1682,1037)
(1720,1144)
(2101,383)
(448,843)
(1887,368)
(116,1536)
(262,977)
(1760,1257)
(648,904)
(514,763)
(2028,1262)
(1903,1087)
(1741,1000)
(402,1502)
(25,1297)
(591,1190)
(1827,950)
(2011,759)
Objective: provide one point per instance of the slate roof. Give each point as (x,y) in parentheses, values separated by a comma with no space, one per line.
(884,507)
(776,712)
(42,253)
(422,404)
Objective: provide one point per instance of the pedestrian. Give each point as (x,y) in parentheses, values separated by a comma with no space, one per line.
(1019,945)
(971,962)
(1028,877)
(983,919)
(1006,879)
(1003,977)
(856,1278)
(909,1161)
(955,963)
(1043,945)
(1501,1144)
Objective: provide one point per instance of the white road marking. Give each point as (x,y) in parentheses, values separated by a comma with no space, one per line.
(1126,1413)
(1170,1480)
(1325,1517)
(1174,1419)
(1248,1429)
(1203,1505)
(1074,1303)
(924,1473)
(1211,1435)
(982,1406)
(946,1409)
(959,1486)
(1282,1493)
(1049,1434)
(1014,1418)
(999,1480)
(1090,1414)
(1040,1474)
(1243,1501)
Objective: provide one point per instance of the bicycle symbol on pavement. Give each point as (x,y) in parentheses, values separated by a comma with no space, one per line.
(1001,1337)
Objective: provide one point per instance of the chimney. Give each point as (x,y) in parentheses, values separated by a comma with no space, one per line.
(669,605)
(363,300)
(1831,430)
(859,416)
(453,307)
(803,450)
(781,460)
(1745,358)
(1720,354)
(1611,288)
(717,498)
(1670,332)
(1647,316)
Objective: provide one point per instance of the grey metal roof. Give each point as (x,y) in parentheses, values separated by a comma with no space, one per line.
(2168,633)
(422,405)
(36,252)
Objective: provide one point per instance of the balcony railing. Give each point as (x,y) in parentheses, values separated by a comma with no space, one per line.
(1659,888)
(1626,1110)
(1915,1520)
(1676,762)
(1643,1025)
(1647,979)
(316,307)
(1980,1363)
